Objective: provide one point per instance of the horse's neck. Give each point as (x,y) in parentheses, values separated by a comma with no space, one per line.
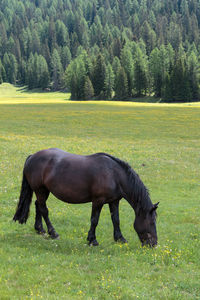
(130,200)
(128,192)
(133,191)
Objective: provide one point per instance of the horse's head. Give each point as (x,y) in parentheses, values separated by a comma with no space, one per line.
(145,226)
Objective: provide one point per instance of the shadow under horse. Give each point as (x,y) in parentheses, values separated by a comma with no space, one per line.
(98,178)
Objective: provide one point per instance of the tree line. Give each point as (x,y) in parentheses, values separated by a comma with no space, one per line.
(103,49)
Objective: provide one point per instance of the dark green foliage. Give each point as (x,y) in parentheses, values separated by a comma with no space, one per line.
(37,74)
(179,82)
(128,64)
(2,73)
(98,76)
(109,82)
(57,70)
(121,85)
(10,67)
(140,74)
(40,39)
(156,72)
(75,77)
(88,89)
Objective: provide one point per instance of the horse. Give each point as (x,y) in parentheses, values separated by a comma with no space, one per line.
(98,178)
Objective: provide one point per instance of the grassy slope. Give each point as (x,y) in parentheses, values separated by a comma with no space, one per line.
(162,144)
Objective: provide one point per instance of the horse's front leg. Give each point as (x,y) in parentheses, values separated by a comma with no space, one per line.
(114,211)
(96,210)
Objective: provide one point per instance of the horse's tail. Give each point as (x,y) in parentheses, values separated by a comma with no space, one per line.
(22,211)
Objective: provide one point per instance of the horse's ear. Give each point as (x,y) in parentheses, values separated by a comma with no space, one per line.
(155,206)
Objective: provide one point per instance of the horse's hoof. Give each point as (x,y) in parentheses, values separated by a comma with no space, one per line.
(54,235)
(94,243)
(121,240)
(40,231)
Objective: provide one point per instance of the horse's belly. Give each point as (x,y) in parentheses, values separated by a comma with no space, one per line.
(81,187)
(71,196)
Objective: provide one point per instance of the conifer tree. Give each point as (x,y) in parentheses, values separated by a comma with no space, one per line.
(194,75)
(42,72)
(75,78)
(109,82)
(128,66)
(2,72)
(57,70)
(65,56)
(180,82)
(167,89)
(10,66)
(31,78)
(140,74)
(121,85)
(156,72)
(116,65)
(98,76)
(88,89)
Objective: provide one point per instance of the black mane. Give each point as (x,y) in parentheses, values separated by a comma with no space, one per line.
(138,191)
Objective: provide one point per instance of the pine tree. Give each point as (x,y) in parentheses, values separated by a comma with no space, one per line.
(167,89)
(180,82)
(46,53)
(128,65)
(98,76)
(149,37)
(74,44)
(2,72)
(43,72)
(13,69)
(109,82)
(140,74)
(10,66)
(65,57)
(62,35)
(75,78)
(116,65)
(31,77)
(116,47)
(57,70)
(156,72)
(51,35)
(194,75)
(121,85)
(88,89)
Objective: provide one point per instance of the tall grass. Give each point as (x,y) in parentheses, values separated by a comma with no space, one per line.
(161,142)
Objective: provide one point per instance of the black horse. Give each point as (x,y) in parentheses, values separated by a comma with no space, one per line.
(99,178)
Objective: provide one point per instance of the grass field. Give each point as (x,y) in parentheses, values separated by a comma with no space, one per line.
(162,144)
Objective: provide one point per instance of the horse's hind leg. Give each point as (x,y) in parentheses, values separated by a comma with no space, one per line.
(114,211)
(38,219)
(42,196)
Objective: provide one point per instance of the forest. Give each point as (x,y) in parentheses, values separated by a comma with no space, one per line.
(103,49)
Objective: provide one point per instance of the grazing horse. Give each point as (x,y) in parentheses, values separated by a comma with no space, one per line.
(98,178)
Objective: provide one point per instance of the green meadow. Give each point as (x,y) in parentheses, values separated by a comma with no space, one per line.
(162,144)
